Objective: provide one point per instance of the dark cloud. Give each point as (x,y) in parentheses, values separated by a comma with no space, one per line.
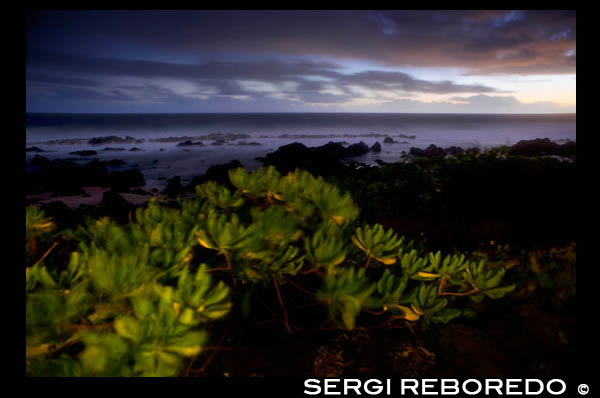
(292,58)
(482,41)
(293,80)
(404,82)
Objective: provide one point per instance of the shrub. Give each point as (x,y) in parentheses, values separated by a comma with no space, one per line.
(135,299)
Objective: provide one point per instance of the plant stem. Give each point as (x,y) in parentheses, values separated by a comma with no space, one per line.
(475,290)
(230,270)
(368,261)
(299,287)
(368,311)
(217,269)
(211,356)
(313,271)
(441,286)
(46,254)
(285,315)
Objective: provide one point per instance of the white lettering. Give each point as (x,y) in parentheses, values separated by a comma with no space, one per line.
(309,384)
(425,385)
(564,387)
(489,386)
(528,391)
(356,387)
(471,392)
(331,383)
(377,389)
(413,388)
(453,387)
(509,385)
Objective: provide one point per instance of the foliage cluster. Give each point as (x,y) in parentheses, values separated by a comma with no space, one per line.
(138,299)
(526,200)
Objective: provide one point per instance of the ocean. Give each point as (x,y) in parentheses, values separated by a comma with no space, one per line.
(157,154)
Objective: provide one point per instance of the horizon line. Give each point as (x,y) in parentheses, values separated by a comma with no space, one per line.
(289,113)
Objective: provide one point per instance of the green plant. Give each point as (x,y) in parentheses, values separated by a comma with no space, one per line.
(113,311)
(377,243)
(138,299)
(485,282)
(345,293)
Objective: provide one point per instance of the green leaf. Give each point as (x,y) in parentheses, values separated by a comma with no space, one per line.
(128,327)
(499,292)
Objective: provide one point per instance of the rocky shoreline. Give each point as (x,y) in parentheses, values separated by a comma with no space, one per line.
(102,182)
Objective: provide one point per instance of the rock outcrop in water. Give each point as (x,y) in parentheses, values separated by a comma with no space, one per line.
(123,181)
(543,146)
(114,139)
(430,151)
(190,143)
(84,153)
(218,173)
(317,160)
(34,149)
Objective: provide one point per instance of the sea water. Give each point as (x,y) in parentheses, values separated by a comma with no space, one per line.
(248,136)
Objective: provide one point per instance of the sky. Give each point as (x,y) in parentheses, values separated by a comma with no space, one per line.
(301,61)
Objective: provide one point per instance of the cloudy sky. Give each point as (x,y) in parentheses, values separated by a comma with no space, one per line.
(301,61)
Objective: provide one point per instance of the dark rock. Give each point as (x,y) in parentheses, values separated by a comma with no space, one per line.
(542,147)
(161,149)
(376,147)
(34,149)
(93,174)
(538,146)
(218,173)
(331,150)
(317,160)
(568,149)
(139,191)
(174,187)
(288,157)
(134,149)
(116,162)
(410,137)
(218,142)
(61,214)
(189,143)
(84,153)
(389,140)
(249,143)
(357,150)
(113,149)
(454,150)
(123,181)
(64,178)
(114,139)
(431,151)
(115,206)
(40,162)
(416,151)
